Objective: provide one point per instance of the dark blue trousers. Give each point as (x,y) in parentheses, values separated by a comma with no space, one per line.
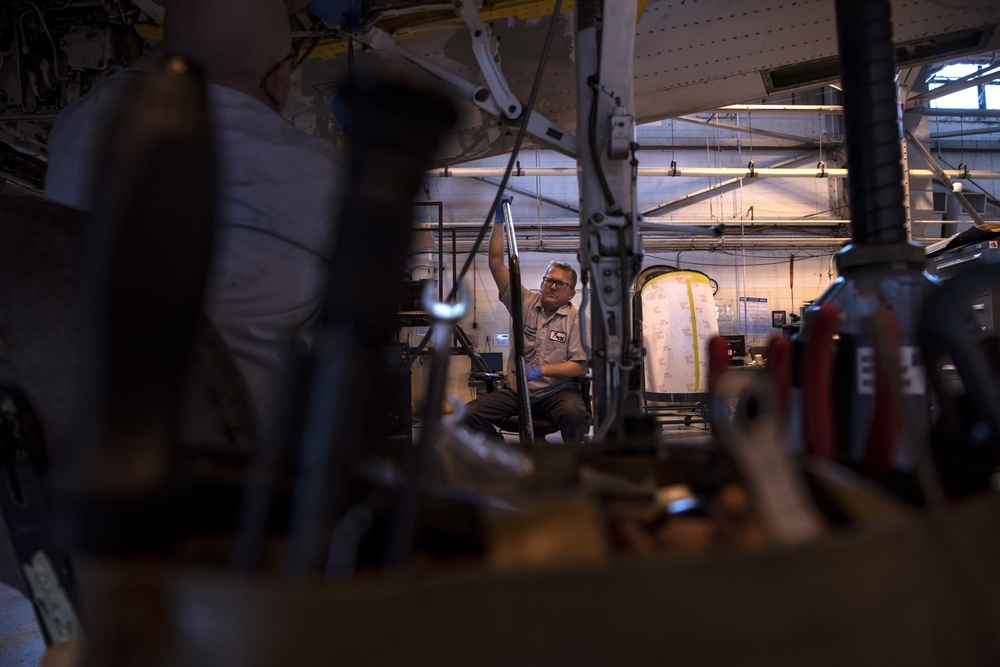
(564,408)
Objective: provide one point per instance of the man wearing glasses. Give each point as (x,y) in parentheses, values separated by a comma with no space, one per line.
(553,352)
(278,186)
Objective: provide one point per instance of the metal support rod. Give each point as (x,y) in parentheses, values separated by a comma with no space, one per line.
(692,225)
(713,187)
(440,225)
(440,270)
(714,123)
(525,425)
(905,159)
(829,242)
(942,176)
(534,195)
(781,108)
(974,79)
(470,349)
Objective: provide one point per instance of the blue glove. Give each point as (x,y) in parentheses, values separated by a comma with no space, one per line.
(498,216)
(532,371)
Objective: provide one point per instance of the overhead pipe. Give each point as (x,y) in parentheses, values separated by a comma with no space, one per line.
(687,226)
(720,184)
(781,108)
(705,172)
(569,243)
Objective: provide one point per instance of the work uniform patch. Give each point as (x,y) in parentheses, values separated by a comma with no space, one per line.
(557,336)
(530,332)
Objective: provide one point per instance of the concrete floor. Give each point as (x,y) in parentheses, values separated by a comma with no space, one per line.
(20,640)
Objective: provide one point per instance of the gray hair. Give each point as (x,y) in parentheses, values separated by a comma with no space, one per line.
(565,267)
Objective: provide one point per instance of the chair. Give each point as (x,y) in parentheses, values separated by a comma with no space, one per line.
(542,425)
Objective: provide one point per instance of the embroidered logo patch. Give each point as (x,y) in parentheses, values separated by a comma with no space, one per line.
(557,336)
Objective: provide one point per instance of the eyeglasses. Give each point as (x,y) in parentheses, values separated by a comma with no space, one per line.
(290,58)
(555,284)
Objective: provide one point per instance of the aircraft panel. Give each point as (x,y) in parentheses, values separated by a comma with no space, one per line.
(691,55)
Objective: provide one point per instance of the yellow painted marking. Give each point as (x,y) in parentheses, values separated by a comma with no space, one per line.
(694,338)
(690,278)
(331,47)
(149,31)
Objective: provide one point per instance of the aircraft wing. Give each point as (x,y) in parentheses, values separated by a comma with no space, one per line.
(690,56)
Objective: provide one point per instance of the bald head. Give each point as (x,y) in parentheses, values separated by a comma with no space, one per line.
(237,42)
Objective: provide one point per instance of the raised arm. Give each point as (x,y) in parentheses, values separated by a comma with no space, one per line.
(501,275)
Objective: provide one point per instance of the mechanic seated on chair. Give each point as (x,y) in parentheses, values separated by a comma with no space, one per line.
(279,188)
(553,353)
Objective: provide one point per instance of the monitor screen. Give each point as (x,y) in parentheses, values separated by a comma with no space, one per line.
(494,360)
(737,344)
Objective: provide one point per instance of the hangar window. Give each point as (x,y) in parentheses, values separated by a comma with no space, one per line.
(982,95)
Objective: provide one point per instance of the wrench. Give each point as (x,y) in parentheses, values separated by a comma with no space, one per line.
(444,316)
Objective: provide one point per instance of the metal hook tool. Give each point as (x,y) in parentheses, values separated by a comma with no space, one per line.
(444,316)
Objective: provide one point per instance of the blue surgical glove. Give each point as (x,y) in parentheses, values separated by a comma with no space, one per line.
(498,216)
(532,371)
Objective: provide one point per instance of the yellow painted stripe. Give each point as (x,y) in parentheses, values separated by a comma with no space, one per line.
(331,47)
(694,335)
(532,9)
(149,31)
(690,278)
(693,278)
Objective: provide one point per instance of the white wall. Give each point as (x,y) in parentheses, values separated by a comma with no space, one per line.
(485,318)
(738,274)
(757,273)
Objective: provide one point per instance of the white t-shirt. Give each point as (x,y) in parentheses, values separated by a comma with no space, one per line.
(279,192)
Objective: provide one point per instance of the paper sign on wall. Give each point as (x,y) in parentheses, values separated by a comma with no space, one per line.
(755,318)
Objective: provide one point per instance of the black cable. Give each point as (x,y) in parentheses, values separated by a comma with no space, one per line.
(626,364)
(594,156)
(525,113)
(872,125)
